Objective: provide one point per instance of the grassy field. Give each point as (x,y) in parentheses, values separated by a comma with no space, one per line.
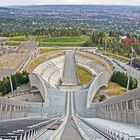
(47,50)
(44,41)
(114,89)
(121,58)
(35,63)
(12,43)
(62,41)
(61,44)
(18,38)
(15,41)
(84,76)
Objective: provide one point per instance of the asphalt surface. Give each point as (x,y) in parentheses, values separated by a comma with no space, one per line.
(121,66)
(22,124)
(29,45)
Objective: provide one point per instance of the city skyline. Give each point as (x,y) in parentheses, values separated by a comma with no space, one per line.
(55,2)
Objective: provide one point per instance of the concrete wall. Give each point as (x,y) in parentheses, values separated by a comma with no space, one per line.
(11,109)
(123,108)
(37,81)
(100,80)
(51,70)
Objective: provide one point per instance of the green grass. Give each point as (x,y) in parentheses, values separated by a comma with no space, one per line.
(45,50)
(84,76)
(12,43)
(19,38)
(61,44)
(61,41)
(15,41)
(34,64)
(52,41)
(121,58)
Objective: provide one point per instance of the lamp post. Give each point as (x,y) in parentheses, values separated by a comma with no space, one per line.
(131,60)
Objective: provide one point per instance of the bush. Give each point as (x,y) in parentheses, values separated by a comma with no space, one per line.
(102,98)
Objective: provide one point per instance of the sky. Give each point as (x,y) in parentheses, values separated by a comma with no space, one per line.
(53,2)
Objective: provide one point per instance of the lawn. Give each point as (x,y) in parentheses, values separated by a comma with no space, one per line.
(45,50)
(18,38)
(61,44)
(44,41)
(15,41)
(12,43)
(35,63)
(115,56)
(61,41)
(84,76)
(114,89)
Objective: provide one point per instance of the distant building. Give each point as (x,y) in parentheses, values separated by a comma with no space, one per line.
(122,36)
(128,41)
(125,40)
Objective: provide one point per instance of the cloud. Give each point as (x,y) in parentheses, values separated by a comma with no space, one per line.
(40,2)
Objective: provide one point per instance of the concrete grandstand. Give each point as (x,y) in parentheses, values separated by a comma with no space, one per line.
(58,107)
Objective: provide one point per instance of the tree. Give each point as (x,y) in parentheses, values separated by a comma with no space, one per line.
(122,78)
(17,79)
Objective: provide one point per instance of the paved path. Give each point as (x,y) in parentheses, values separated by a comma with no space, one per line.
(29,46)
(124,67)
(20,124)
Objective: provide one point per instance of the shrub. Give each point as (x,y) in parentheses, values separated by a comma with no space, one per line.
(122,78)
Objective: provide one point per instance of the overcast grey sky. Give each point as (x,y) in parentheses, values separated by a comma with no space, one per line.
(41,2)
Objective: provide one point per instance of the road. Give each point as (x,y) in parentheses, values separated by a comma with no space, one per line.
(120,66)
(29,46)
(19,124)
(124,67)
